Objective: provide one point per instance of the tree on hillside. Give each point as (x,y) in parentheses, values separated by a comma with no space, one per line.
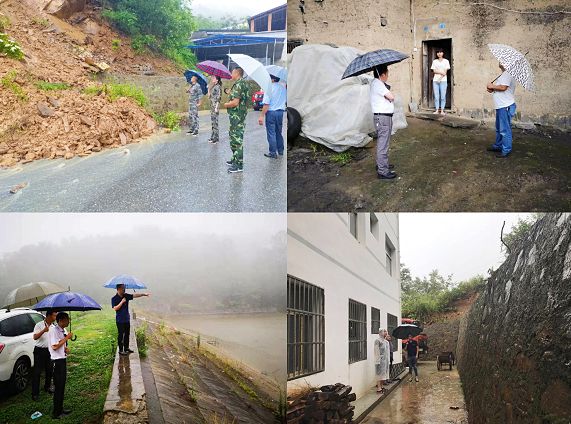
(520,231)
(163,26)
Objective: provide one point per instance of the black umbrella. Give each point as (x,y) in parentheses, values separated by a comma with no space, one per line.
(368,61)
(403,330)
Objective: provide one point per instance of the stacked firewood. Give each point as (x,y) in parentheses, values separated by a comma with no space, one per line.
(330,404)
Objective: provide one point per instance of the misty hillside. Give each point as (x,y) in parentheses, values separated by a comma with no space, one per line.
(184,272)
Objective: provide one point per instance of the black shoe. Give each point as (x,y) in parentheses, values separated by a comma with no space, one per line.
(269,155)
(493,149)
(57,417)
(229,162)
(66,412)
(502,156)
(391,166)
(195,133)
(189,132)
(130,351)
(234,169)
(391,175)
(213,141)
(123,353)
(35,398)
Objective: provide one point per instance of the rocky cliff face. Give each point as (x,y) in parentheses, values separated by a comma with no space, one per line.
(514,347)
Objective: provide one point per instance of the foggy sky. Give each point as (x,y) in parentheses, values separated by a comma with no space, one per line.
(238,8)
(462,244)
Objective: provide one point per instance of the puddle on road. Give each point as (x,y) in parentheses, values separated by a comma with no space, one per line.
(124,386)
(427,402)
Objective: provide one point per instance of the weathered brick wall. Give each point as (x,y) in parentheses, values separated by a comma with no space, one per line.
(514,347)
(471,27)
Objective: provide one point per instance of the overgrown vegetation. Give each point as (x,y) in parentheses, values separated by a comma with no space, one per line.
(89,369)
(432,294)
(8,81)
(10,48)
(342,158)
(114,91)
(52,86)
(141,335)
(520,231)
(115,44)
(43,22)
(169,120)
(163,27)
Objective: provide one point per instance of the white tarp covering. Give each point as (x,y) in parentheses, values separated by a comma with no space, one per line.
(334,112)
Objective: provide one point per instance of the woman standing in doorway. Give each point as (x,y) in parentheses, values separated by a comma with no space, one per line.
(440,67)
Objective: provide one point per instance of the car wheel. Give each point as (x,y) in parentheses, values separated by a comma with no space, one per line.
(293,124)
(21,375)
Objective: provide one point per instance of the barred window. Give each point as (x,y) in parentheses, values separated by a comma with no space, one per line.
(392,323)
(375,320)
(305,328)
(357,331)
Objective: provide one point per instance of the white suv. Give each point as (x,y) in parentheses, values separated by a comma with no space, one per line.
(17,345)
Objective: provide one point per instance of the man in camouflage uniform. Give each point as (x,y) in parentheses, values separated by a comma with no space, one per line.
(237,110)
(215,96)
(193,105)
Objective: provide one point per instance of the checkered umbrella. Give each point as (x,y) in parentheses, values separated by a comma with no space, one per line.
(515,63)
(366,62)
(214,68)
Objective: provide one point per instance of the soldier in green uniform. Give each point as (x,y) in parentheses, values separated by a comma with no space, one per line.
(193,105)
(215,96)
(237,111)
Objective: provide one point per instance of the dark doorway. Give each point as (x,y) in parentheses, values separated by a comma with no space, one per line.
(429,48)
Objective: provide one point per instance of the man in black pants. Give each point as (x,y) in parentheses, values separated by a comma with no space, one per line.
(58,353)
(42,359)
(120,303)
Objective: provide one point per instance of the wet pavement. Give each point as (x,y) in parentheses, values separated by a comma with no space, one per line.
(167,173)
(436,399)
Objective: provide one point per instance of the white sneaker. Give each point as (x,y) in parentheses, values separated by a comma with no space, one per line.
(435,112)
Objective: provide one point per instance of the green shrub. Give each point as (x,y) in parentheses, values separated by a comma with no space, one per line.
(93,90)
(52,86)
(141,335)
(8,81)
(115,44)
(124,20)
(169,120)
(140,43)
(10,48)
(114,91)
(341,158)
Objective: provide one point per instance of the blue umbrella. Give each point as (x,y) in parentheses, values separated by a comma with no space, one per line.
(129,281)
(67,301)
(277,71)
(201,79)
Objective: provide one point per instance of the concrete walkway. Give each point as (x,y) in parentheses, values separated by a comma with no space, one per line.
(436,399)
(173,172)
(371,399)
(125,401)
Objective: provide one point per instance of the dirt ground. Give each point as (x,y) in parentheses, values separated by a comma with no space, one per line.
(439,169)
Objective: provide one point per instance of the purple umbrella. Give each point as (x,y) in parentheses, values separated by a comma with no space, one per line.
(67,301)
(214,68)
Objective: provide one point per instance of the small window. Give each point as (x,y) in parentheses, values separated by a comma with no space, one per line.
(389,251)
(392,323)
(374,221)
(375,320)
(279,20)
(353,224)
(357,331)
(16,325)
(305,328)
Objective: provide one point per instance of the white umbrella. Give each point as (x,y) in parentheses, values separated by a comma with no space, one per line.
(253,69)
(277,71)
(515,63)
(30,294)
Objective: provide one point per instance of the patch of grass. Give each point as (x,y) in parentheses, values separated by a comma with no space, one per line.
(52,86)
(169,120)
(115,44)
(43,22)
(8,81)
(114,91)
(141,335)
(89,371)
(342,158)
(4,22)
(10,48)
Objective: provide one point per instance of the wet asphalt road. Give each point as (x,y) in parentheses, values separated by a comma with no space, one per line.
(167,173)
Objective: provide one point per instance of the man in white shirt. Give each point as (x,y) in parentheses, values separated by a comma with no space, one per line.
(382,104)
(503,93)
(42,360)
(58,352)
(273,111)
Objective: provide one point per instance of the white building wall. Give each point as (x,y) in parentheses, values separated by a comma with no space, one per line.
(323,252)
